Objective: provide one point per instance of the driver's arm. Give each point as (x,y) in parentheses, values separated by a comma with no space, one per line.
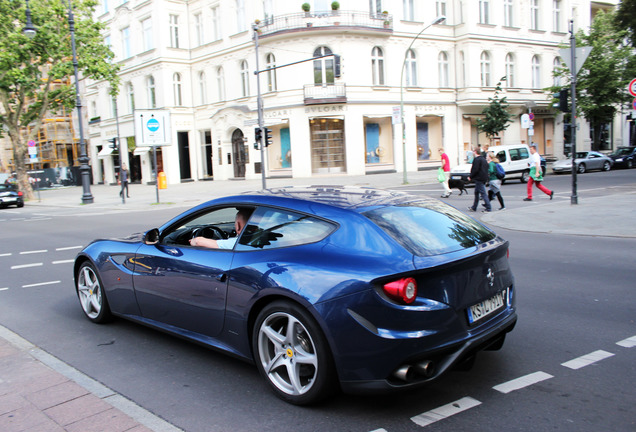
(204,242)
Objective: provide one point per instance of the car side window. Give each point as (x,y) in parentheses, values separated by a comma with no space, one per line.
(270,228)
(523,153)
(514,155)
(216,224)
(501,156)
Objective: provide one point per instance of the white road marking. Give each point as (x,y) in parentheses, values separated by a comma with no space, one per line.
(63,261)
(68,248)
(3,289)
(33,252)
(628,343)
(587,359)
(41,284)
(15,267)
(5,254)
(522,382)
(445,411)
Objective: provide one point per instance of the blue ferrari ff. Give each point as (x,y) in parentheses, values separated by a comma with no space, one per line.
(322,287)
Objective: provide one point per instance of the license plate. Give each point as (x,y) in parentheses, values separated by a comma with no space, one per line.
(487,307)
(7,200)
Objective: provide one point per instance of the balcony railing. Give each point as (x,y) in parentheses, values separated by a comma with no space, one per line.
(318,20)
(325,93)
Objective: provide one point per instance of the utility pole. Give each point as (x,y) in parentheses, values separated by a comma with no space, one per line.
(259,106)
(574,199)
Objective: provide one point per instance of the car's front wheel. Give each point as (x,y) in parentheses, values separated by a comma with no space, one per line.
(606,166)
(292,354)
(91,295)
(581,168)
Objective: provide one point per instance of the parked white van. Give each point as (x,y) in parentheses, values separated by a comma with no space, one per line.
(515,159)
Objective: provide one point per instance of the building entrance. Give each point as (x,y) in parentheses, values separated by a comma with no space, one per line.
(327,145)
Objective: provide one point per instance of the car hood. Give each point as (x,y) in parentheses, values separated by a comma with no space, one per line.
(462,168)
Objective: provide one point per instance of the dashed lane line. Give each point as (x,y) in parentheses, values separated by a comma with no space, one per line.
(3,289)
(6,254)
(587,359)
(445,411)
(627,343)
(68,248)
(63,261)
(33,252)
(21,266)
(41,284)
(522,382)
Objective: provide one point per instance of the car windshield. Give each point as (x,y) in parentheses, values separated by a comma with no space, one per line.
(6,187)
(623,151)
(430,228)
(581,155)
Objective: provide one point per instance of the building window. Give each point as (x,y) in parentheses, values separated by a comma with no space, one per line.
(146,31)
(174,31)
(510,70)
(463,65)
(131,97)
(508,13)
(556,15)
(125,42)
(324,67)
(377,66)
(484,12)
(440,8)
(556,66)
(411,69)
(442,62)
(176,87)
(268,10)
(271,73)
(409,11)
(485,69)
(375,7)
(220,83)
(113,104)
(215,23)
(198,29)
(536,73)
(240,16)
(245,79)
(150,87)
(534,14)
(203,88)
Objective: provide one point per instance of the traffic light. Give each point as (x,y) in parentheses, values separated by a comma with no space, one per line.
(113,143)
(336,65)
(562,97)
(268,136)
(258,137)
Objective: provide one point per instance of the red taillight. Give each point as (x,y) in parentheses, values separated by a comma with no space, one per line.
(403,289)
(20,193)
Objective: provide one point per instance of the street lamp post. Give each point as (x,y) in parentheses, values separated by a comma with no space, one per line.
(437,20)
(30,31)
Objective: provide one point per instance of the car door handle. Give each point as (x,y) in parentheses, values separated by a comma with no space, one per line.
(221,277)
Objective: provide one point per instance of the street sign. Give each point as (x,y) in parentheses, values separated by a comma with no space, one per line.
(152,127)
(580,55)
(525,121)
(634,104)
(31,143)
(632,87)
(531,115)
(397,115)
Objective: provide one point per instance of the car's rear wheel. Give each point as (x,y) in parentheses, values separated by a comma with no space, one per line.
(581,168)
(292,354)
(606,166)
(630,164)
(91,294)
(524,176)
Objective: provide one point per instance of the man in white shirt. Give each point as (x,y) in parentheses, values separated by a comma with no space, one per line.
(535,174)
(239,223)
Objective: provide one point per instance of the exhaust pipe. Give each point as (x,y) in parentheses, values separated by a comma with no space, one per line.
(425,368)
(405,373)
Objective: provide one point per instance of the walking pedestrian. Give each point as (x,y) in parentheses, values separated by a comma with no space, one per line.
(535,174)
(494,188)
(479,174)
(123,179)
(446,169)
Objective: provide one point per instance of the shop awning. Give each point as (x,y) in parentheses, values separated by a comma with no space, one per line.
(106,151)
(141,150)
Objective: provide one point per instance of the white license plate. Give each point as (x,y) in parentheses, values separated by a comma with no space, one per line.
(487,307)
(7,200)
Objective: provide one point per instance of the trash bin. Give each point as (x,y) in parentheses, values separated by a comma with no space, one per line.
(163,183)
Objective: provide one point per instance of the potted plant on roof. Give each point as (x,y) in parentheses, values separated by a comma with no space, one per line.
(335,6)
(306,7)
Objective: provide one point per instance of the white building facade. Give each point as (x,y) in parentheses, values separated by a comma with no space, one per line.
(197,59)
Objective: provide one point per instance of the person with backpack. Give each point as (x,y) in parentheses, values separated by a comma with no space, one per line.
(479,175)
(496,174)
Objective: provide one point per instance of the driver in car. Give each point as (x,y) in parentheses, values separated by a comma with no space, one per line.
(239,223)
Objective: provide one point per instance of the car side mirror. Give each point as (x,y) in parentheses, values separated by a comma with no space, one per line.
(151,237)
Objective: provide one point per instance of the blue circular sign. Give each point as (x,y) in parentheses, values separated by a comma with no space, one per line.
(153,125)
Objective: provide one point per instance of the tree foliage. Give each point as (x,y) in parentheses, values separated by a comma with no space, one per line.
(36,74)
(626,18)
(497,118)
(602,82)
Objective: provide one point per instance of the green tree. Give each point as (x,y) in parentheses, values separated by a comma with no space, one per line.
(602,81)
(35,74)
(497,118)
(626,18)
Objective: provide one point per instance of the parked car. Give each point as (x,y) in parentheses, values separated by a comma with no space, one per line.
(585,161)
(10,195)
(360,288)
(624,157)
(515,159)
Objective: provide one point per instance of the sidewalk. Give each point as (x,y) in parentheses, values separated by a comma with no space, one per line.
(40,393)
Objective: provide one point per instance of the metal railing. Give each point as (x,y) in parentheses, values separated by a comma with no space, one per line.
(296,21)
(325,93)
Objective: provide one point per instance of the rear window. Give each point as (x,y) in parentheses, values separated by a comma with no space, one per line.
(430,228)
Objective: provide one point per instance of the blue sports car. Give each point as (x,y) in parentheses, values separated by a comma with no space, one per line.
(322,287)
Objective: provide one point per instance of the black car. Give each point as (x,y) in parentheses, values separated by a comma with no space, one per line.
(624,157)
(10,195)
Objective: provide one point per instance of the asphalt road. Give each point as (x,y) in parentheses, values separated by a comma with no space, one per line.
(576,302)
